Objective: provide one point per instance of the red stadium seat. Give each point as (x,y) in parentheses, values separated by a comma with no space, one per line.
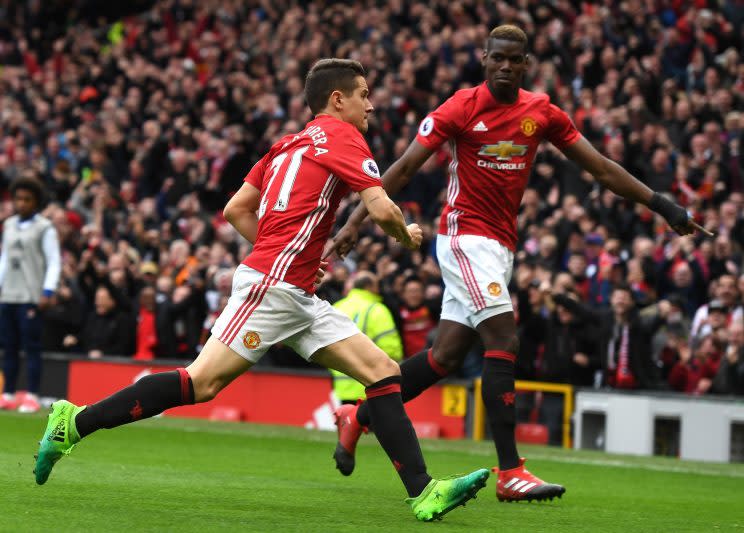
(532,433)
(427,430)
(226,413)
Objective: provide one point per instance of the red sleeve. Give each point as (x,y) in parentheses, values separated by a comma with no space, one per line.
(255,176)
(353,163)
(442,124)
(561,131)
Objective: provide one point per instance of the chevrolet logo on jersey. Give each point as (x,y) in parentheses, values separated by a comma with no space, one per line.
(503,150)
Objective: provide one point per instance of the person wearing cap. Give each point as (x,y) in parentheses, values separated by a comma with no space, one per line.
(717,321)
(727,293)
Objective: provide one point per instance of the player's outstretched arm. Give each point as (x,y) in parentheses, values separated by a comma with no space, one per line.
(241,210)
(393,180)
(621,182)
(389,217)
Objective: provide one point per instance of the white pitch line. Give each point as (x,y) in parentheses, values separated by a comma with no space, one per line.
(441,446)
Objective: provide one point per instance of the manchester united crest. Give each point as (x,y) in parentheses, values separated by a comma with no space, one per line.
(494,289)
(251,340)
(528,126)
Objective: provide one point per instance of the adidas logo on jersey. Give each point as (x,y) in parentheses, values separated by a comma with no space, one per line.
(480,126)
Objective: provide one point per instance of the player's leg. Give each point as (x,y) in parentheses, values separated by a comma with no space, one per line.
(215,367)
(430,499)
(455,336)
(359,358)
(9,328)
(501,345)
(428,367)
(499,336)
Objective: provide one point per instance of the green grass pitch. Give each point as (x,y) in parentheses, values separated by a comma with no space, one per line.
(192,475)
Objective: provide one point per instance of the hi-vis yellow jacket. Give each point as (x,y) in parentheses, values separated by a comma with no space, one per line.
(374,319)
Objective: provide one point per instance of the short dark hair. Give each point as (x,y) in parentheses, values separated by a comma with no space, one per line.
(328,75)
(364,280)
(413,279)
(508,32)
(31,185)
(624,287)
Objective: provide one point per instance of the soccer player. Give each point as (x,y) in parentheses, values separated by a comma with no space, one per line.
(286,207)
(30,267)
(494,131)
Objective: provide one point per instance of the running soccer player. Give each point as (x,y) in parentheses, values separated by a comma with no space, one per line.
(286,207)
(494,131)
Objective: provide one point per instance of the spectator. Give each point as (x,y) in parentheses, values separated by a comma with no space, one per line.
(147,337)
(64,317)
(697,366)
(625,338)
(108,330)
(363,304)
(727,293)
(416,318)
(570,354)
(730,376)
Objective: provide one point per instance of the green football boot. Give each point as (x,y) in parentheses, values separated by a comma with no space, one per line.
(59,438)
(442,495)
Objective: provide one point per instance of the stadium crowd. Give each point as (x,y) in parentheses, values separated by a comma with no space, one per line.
(142,127)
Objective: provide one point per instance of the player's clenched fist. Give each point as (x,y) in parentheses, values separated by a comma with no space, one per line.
(415,235)
(344,241)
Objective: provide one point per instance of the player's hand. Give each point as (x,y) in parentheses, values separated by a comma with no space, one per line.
(676,216)
(343,241)
(415,236)
(321,272)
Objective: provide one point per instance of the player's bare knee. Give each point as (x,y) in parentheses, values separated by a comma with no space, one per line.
(386,368)
(206,388)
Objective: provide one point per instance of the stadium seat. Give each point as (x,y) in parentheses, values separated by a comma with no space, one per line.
(427,430)
(532,433)
(226,413)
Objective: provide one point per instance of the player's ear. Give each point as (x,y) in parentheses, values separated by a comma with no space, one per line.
(336,100)
(484,55)
(527,60)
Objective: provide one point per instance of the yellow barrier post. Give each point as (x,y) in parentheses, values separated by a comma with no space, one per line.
(479,409)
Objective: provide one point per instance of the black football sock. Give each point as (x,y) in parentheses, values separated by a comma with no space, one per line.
(498,397)
(150,396)
(395,432)
(418,372)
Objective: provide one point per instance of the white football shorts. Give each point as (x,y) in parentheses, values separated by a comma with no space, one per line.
(262,312)
(476,272)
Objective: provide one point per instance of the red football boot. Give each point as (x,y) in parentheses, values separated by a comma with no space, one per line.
(518,484)
(349,431)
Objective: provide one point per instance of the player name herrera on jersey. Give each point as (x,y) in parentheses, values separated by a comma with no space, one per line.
(301,182)
(317,135)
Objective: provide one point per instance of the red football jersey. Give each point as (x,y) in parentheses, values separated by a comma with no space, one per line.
(302,180)
(493,146)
